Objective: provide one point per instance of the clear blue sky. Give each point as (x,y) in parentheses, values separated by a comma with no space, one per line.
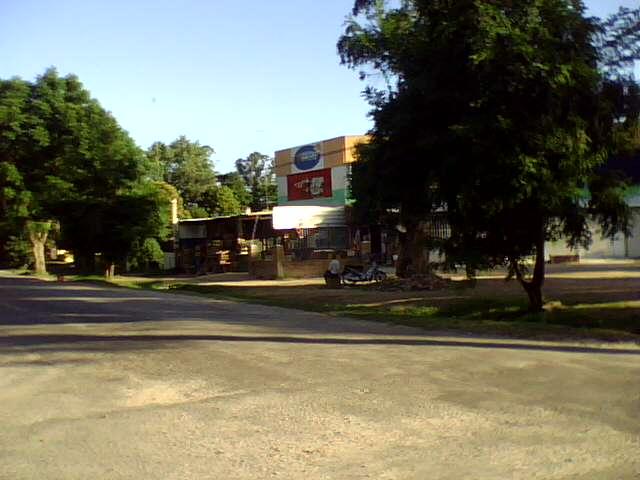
(256,75)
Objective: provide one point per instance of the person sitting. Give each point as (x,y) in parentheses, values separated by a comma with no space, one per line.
(332,275)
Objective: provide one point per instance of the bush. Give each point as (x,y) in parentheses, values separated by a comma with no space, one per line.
(148,256)
(19,252)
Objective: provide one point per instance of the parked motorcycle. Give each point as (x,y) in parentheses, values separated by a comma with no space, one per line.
(371,274)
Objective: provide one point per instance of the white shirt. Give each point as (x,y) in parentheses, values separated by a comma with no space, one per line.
(334,266)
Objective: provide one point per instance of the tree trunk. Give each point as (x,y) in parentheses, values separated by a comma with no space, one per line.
(535,296)
(38,240)
(40,265)
(533,287)
(414,253)
(110,270)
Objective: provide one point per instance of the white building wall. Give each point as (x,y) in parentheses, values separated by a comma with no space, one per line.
(618,247)
(339,178)
(633,242)
(283,191)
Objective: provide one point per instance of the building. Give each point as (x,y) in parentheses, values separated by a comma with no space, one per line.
(221,244)
(621,246)
(316,173)
(313,194)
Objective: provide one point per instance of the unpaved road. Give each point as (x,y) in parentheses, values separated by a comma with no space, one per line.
(119,384)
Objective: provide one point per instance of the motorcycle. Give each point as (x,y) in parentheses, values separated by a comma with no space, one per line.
(371,274)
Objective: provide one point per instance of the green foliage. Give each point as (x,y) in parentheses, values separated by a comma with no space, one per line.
(190,169)
(63,157)
(257,171)
(618,42)
(221,201)
(236,183)
(187,167)
(38,228)
(113,227)
(19,252)
(184,164)
(496,112)
(198,212)
(146,256)
(168,193)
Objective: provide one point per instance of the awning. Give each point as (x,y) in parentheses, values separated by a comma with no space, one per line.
(307,216)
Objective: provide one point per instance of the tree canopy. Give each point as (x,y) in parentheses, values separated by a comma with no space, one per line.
(187,166)
(257,171)
(65,160)
(502,114)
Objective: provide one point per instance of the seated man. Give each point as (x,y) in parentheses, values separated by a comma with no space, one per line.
(332,275)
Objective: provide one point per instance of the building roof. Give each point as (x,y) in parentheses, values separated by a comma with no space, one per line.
(261,213)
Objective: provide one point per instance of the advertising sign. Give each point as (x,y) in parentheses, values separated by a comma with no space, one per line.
(305,186)
(308,157)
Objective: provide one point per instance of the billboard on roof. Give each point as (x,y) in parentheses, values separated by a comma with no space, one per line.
(305,186)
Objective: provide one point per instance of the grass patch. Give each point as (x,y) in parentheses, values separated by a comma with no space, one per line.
(24,272)
(484,313)
(486,316)
(146,284)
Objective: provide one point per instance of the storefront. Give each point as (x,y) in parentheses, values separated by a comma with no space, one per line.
(313,199)
(312,231)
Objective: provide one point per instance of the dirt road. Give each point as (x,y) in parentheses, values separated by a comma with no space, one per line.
(113,383)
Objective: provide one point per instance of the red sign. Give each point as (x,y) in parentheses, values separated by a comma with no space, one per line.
(308,185)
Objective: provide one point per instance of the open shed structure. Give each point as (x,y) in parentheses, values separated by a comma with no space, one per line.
(221,244)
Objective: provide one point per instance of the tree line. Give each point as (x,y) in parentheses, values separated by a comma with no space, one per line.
(503,114)
(188,167)
(68,171)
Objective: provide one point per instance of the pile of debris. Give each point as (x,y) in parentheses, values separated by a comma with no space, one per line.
(428,281)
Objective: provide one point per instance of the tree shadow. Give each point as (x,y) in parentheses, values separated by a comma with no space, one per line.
(583,303)
(105,342)
(39,362)
(608,304)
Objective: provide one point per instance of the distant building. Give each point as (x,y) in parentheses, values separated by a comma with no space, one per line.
(316,173)
(621,246)
(313,193)
(221,244)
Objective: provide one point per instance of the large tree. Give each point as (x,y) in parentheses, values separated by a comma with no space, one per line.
(64,160)
(257,170)
(221,200)
(187,166)
(235,182)
(500,113)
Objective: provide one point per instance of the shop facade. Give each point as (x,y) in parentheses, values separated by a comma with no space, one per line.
(313,199)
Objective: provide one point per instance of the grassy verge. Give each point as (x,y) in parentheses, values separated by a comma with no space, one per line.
(149,284)
(489,316)
(463,310)
(23,272)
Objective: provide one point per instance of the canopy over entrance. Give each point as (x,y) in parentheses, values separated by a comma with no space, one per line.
(307,216)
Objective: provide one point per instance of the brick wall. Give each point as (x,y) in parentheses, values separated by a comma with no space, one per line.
(267,269)
(305,268)
(263,269)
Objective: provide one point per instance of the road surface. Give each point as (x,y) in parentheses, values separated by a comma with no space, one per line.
(120,384)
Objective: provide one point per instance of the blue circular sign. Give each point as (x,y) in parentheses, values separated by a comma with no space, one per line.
(306,158)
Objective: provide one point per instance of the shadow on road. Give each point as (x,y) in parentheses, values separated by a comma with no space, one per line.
(31,302)
(37,340)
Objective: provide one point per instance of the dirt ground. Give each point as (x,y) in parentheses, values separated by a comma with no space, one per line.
(113,383)
(592,281)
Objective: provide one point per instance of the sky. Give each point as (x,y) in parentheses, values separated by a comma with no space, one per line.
(239,76)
